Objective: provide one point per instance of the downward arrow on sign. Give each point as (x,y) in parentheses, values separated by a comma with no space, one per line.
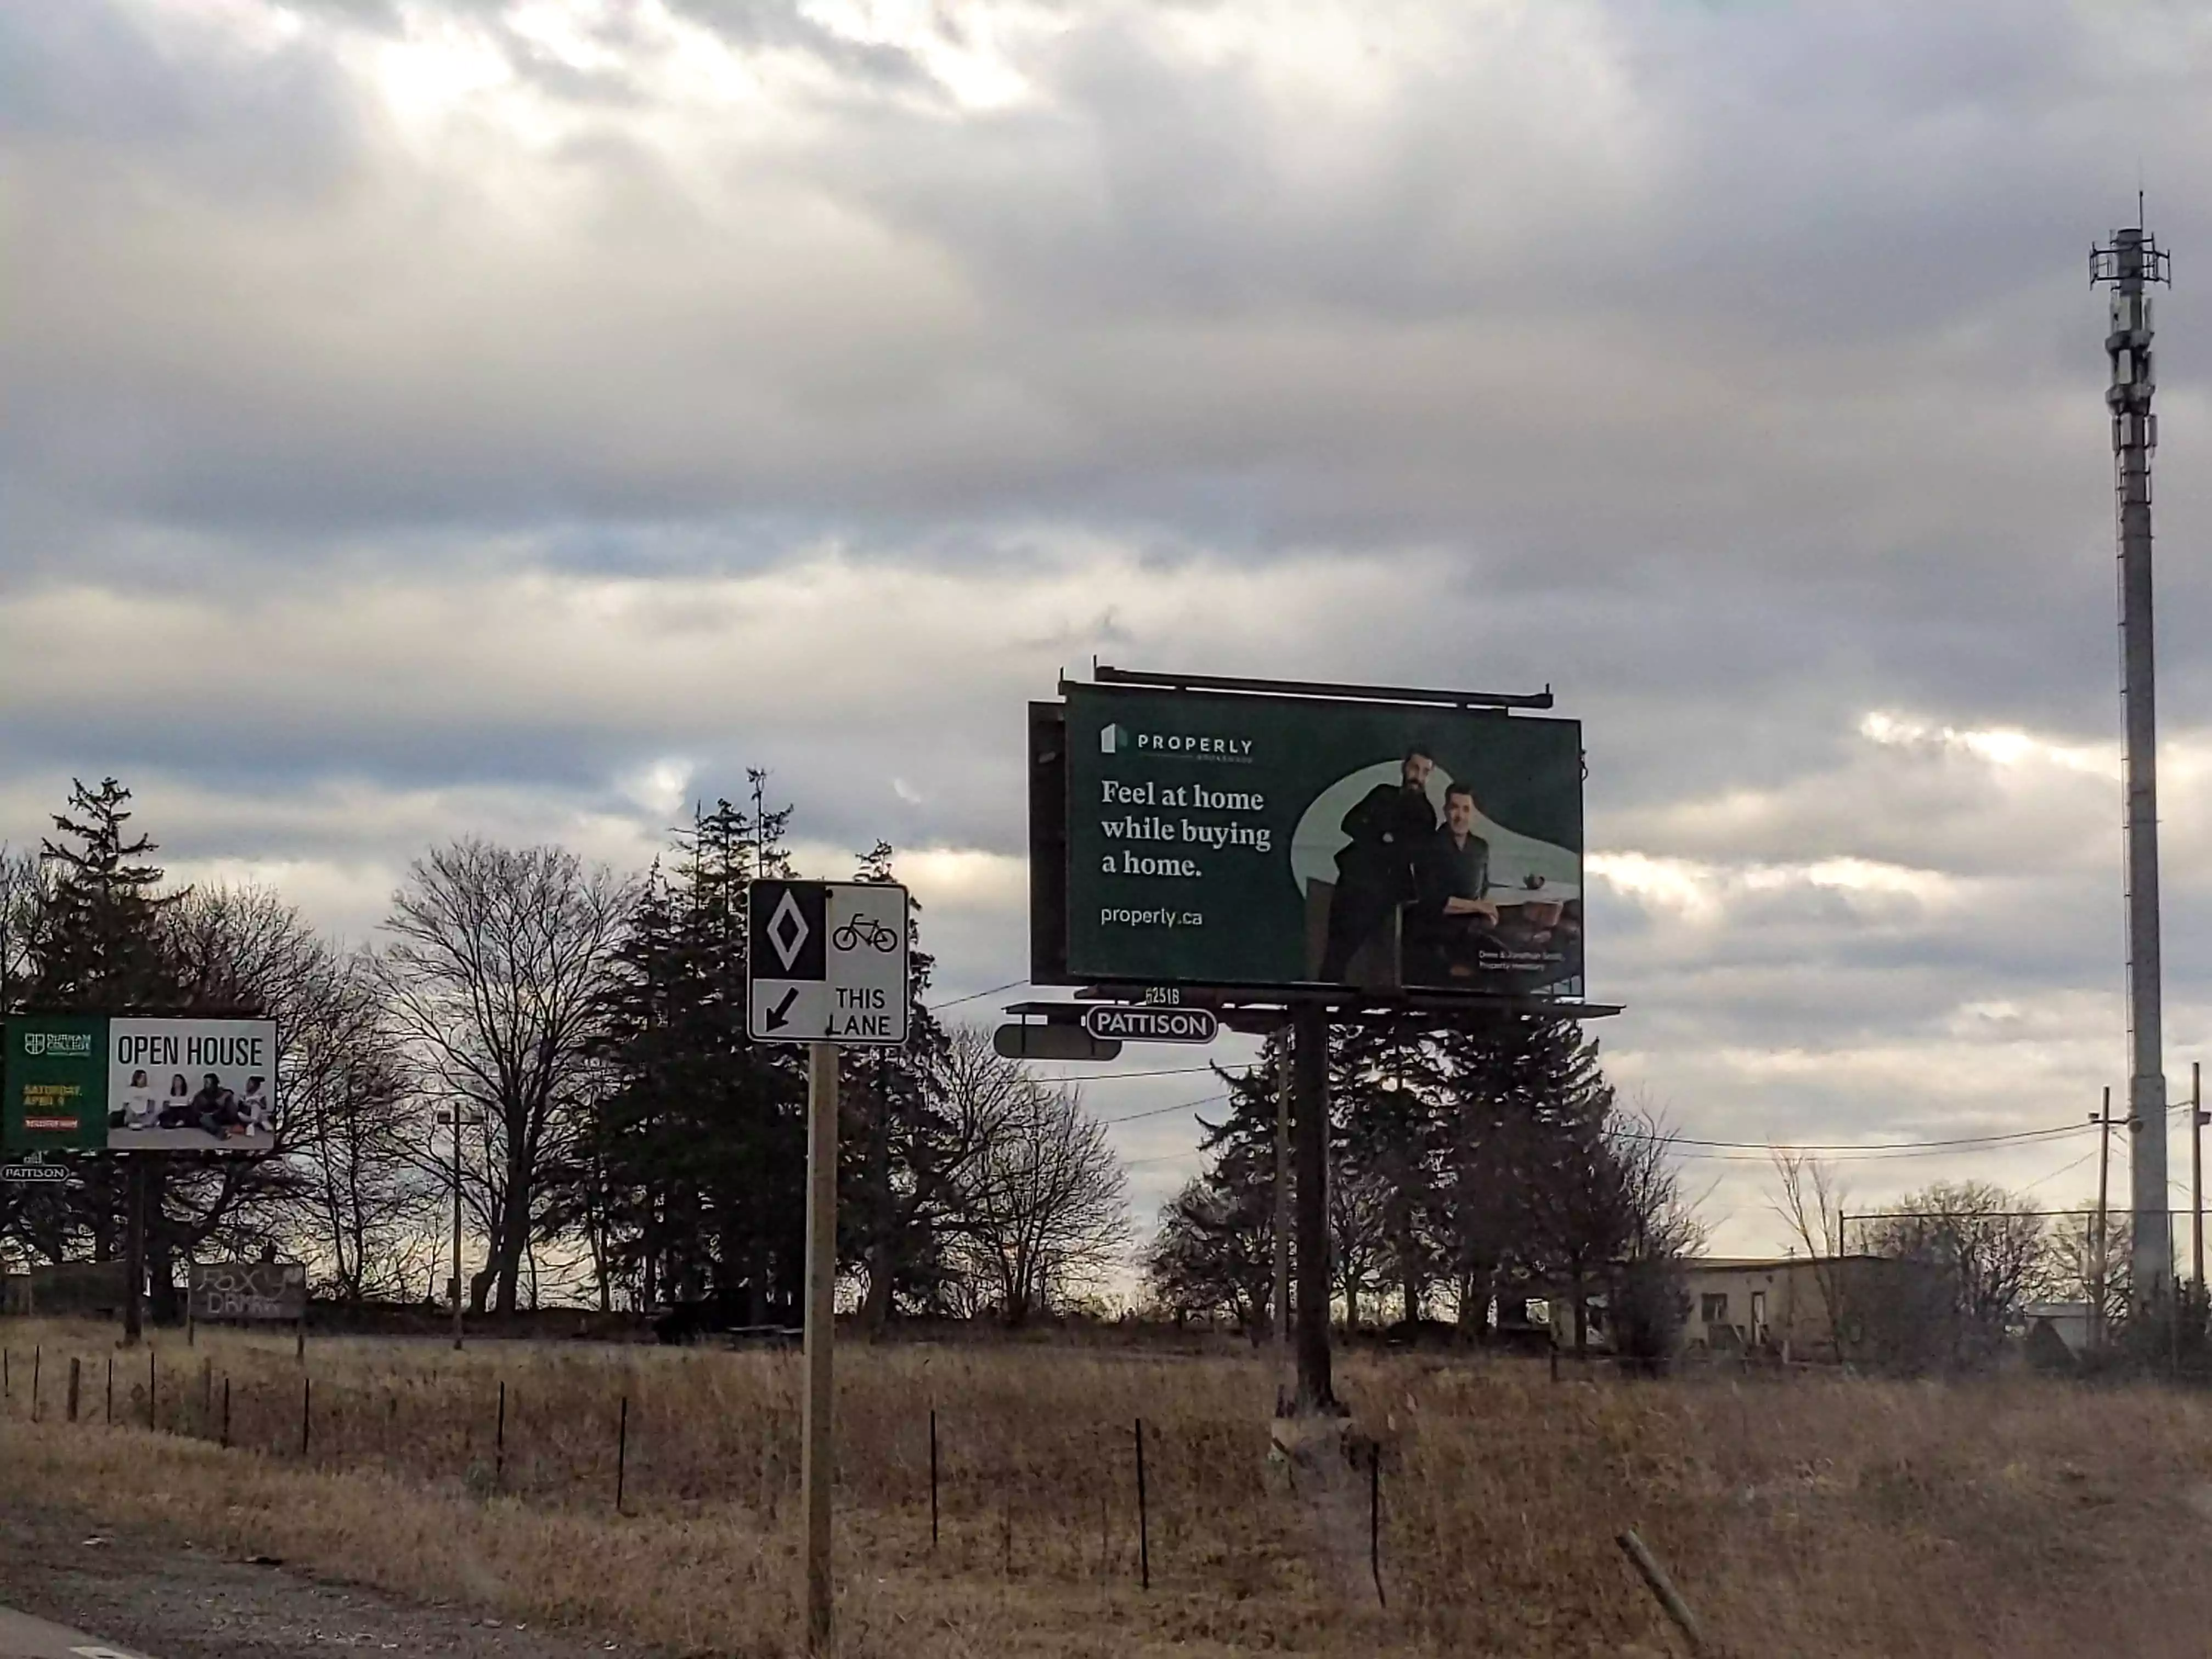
(778,1017)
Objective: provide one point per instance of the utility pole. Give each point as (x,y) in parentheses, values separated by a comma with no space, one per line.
(2104,1120)
(1282,1205)
(2129,264)
(2197,1174)
(458,1121)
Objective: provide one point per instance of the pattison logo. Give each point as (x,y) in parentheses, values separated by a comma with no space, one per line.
(78,1043)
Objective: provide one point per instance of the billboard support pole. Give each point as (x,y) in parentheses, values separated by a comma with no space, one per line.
(1282,1320)
(817,1449)
(1310,1130)
(134,1248)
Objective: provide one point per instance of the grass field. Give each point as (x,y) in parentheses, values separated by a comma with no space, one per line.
(1806,1515)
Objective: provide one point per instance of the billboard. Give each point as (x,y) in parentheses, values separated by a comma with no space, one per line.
(95,1083)
(248,1289)
(1184,837)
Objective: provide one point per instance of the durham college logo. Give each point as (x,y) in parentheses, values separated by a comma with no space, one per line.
(61,1044)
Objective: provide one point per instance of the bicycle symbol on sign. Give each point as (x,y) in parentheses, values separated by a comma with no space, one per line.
(866,930)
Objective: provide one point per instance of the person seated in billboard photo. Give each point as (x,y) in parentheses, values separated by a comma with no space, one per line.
(1388,829)
(176,1111)
(138,1108)
(215,1108)
(254,1105)
(1451,925)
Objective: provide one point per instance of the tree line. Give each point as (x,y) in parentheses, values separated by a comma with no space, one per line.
(566,1047)
(1472,1169)
(1978,1258)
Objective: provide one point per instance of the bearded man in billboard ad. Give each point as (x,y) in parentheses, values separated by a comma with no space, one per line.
(1452,920)
(1374,870)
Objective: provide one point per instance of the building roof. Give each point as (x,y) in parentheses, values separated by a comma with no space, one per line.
(1720,1264)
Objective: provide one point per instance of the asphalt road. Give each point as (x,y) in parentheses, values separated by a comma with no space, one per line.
(150,1592)
(22,1636)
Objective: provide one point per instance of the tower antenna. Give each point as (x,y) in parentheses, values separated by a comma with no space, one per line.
(2128,264)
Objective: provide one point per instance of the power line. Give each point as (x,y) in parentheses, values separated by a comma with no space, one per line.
(2061,1170)
(1877,1146)
(976,996)
(1116,1076)
(1887,1156)
(1162,1111)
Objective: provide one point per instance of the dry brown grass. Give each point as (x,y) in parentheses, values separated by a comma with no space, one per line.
(1814,1515)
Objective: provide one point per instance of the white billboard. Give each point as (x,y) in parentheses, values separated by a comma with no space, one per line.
(191,1086)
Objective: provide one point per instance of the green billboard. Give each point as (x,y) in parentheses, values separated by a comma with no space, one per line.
(1200,838)
(55,1078)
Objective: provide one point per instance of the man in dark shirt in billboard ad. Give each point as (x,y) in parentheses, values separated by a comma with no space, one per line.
(1375,869)
(1450,931)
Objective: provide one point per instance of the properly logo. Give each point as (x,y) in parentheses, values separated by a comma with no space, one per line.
(1115,738)
(62,1045)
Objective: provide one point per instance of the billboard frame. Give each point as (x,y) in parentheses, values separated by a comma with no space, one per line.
(19,1139)
(1303,1011)
(134,1162)
(1244,1005)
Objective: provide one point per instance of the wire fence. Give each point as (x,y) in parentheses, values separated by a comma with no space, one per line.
(1105,1498)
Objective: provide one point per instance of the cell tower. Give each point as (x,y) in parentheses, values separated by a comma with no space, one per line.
(2129,265)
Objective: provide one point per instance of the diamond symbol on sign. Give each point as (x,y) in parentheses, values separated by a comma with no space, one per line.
(788,918)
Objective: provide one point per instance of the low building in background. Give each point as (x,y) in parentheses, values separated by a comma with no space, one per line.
(86,1289)
(1803,1308)
(2068,1323)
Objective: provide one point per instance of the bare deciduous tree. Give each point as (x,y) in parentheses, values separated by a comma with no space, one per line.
(1987,1247)
(368,1208)
(1358,1233)
(978,1091)
(1810,1201)
(2071,1271)
(240,950)
(494,978)
(1040,1208)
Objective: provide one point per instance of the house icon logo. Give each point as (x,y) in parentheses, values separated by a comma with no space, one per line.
(1112,740)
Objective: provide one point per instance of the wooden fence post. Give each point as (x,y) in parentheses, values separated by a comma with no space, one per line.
(1144,1518)
(1670,1599)
(622,1452)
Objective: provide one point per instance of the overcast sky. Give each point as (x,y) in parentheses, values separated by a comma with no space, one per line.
(419,420)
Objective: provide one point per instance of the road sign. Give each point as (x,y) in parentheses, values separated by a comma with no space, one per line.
(1028,1042)
(1151,1024)
(828,963)
(51,1173)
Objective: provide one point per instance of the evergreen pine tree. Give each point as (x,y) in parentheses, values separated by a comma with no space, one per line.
(96,941)
(1214,1251)
(899,1145)
(697,1152)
